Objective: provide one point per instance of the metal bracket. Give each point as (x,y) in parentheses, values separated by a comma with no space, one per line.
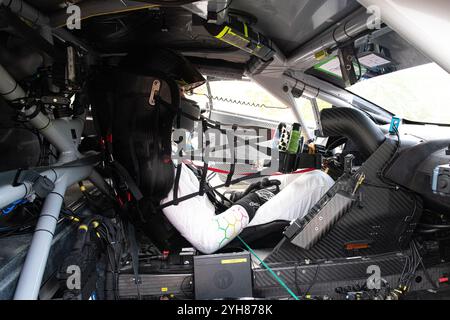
(316,113)
(210,100)
(346,57)
(156,86)
(348,163)
(298,114)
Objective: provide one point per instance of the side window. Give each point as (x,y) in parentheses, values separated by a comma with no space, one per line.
(246,98)
(241,97)
(307,110)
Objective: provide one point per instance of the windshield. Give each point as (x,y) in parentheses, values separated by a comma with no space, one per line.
(420,93)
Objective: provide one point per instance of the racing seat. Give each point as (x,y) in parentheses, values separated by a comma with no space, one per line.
(142,144)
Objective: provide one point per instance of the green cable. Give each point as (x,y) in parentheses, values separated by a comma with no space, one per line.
(270,270)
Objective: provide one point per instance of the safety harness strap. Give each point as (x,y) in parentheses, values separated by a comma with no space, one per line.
(203,179)
(176,184)
(132,187)
(233,164)
(205,163)
(235,181)
(206,189)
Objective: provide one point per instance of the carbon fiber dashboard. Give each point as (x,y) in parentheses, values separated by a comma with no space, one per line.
(383,220)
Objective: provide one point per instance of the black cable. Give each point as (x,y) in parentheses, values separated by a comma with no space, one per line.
(33,210)
(313,281)
(113,255)
(182,287)
(411,265)
(19,230)
(389,162)
(383,170)
(403,270)
(427,275)
(418,260)
(357,61)
(226,7)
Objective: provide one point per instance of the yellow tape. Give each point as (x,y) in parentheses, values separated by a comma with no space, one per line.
(231,261)
(95,224)
(82,188)
(321,54)
(83,227)
(245,30)
(164,289)
(223,32)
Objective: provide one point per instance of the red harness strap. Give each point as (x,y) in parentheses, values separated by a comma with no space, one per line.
(250,173)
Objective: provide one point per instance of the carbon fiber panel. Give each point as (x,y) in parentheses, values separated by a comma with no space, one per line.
(340,270)
(323,279)
(319,224)
(384,219)
(155,285)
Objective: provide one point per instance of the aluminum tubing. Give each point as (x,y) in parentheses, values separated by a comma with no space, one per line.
(10,193)
(304,57)
(58,133)
(9,88)
(33,269)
